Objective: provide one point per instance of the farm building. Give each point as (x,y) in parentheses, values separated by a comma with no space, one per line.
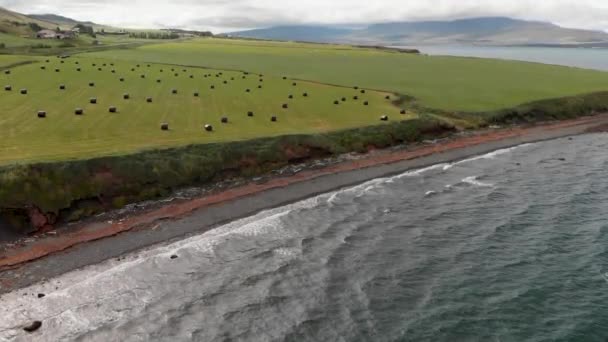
(50,34)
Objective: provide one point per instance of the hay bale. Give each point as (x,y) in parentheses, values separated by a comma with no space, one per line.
(78,69)
(161,70)
(172,69)
(305,94)
(93,64)
(191,76)
(78,111)
(99,69)
(208,128)
(336,102)
(57,70)
(232,78)
(8,88)
(388,97)
(104,64)
(126,96)
(149,99)
(76,62)
(142,76)
(112,109)
(355,97)
(121,79)
(284,77)
(111,64)
(225,82)
(403,111)
(7,72)
(176,74)
(48,61)
(285,106)
(290,96)
(294,84)
(91,84)
(196,94)
(23,91)
(344,99)
(93,100)
(362,91)
(43,67)
(224,120)
(247,90)
(250,114)
(137,65)
(41,114)
(244,77)
(113,71)
(212,87)
(366,103)
(184,70)
(174,91)
(273,119)
(164,126)
(384,118)
(62,87)
(62,62)
(356,87)
(148,65)
(261,80)
(132,69)
(158,80)
(259,87)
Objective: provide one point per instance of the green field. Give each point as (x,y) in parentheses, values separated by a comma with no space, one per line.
(136,126)
(446,83)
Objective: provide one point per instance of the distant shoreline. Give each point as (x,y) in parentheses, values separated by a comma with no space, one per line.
(54,254)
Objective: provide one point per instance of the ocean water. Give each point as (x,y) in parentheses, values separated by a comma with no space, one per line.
(508,246)
(574,57)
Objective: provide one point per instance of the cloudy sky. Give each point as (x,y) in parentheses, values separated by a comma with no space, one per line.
(228,15)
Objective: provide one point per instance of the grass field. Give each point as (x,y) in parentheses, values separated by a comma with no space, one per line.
(447,83)
(136,126)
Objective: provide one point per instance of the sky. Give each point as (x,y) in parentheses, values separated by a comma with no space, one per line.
(231,15)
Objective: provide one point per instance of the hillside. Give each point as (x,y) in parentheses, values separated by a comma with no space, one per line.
(488,31)
(59,20)
(19,24)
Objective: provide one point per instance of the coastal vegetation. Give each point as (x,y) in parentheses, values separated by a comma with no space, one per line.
(99,130)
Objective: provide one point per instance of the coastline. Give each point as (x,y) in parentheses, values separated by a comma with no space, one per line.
(52,255)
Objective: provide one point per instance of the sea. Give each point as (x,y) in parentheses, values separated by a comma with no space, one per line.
(506,246)
(587,58)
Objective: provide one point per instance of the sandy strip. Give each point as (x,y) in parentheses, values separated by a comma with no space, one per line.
(91,244)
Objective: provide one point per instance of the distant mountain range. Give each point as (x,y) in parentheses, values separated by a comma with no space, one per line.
(60,20)
(478,31)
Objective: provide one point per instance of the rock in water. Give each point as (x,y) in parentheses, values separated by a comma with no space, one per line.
(33,327)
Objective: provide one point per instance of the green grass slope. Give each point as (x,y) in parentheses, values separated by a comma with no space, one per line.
(64,135)
(447,83)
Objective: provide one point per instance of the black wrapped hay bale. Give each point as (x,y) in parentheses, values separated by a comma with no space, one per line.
(149,99)
(294,84)
(343,99)
(305,94)
(388,97)
(208,128)
(23,91)
(247,90)
(196,94)
(366,103)
(126,96)
(41,114)
(362,91)
(93,100)
(142,76)
(174,91)
(164,126)
(336,102)
(191,76)
(43,68)
(259,87)
(57,70)
(78,69)
(62,87)
(224,120)
(355,97)
(158,81)
(112,109)
(384,118)
(285,106)
(212,87)
(273,119)
(403,111)
(8,88)
(78,111)
(91,84)
(7,72)
(250,114)
(284,77)
(290,96)
(121,79)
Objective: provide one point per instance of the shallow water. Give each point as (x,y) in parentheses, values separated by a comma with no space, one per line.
(509,246)
(575,57)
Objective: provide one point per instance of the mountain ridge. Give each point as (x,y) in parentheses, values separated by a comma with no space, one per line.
(480,31)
